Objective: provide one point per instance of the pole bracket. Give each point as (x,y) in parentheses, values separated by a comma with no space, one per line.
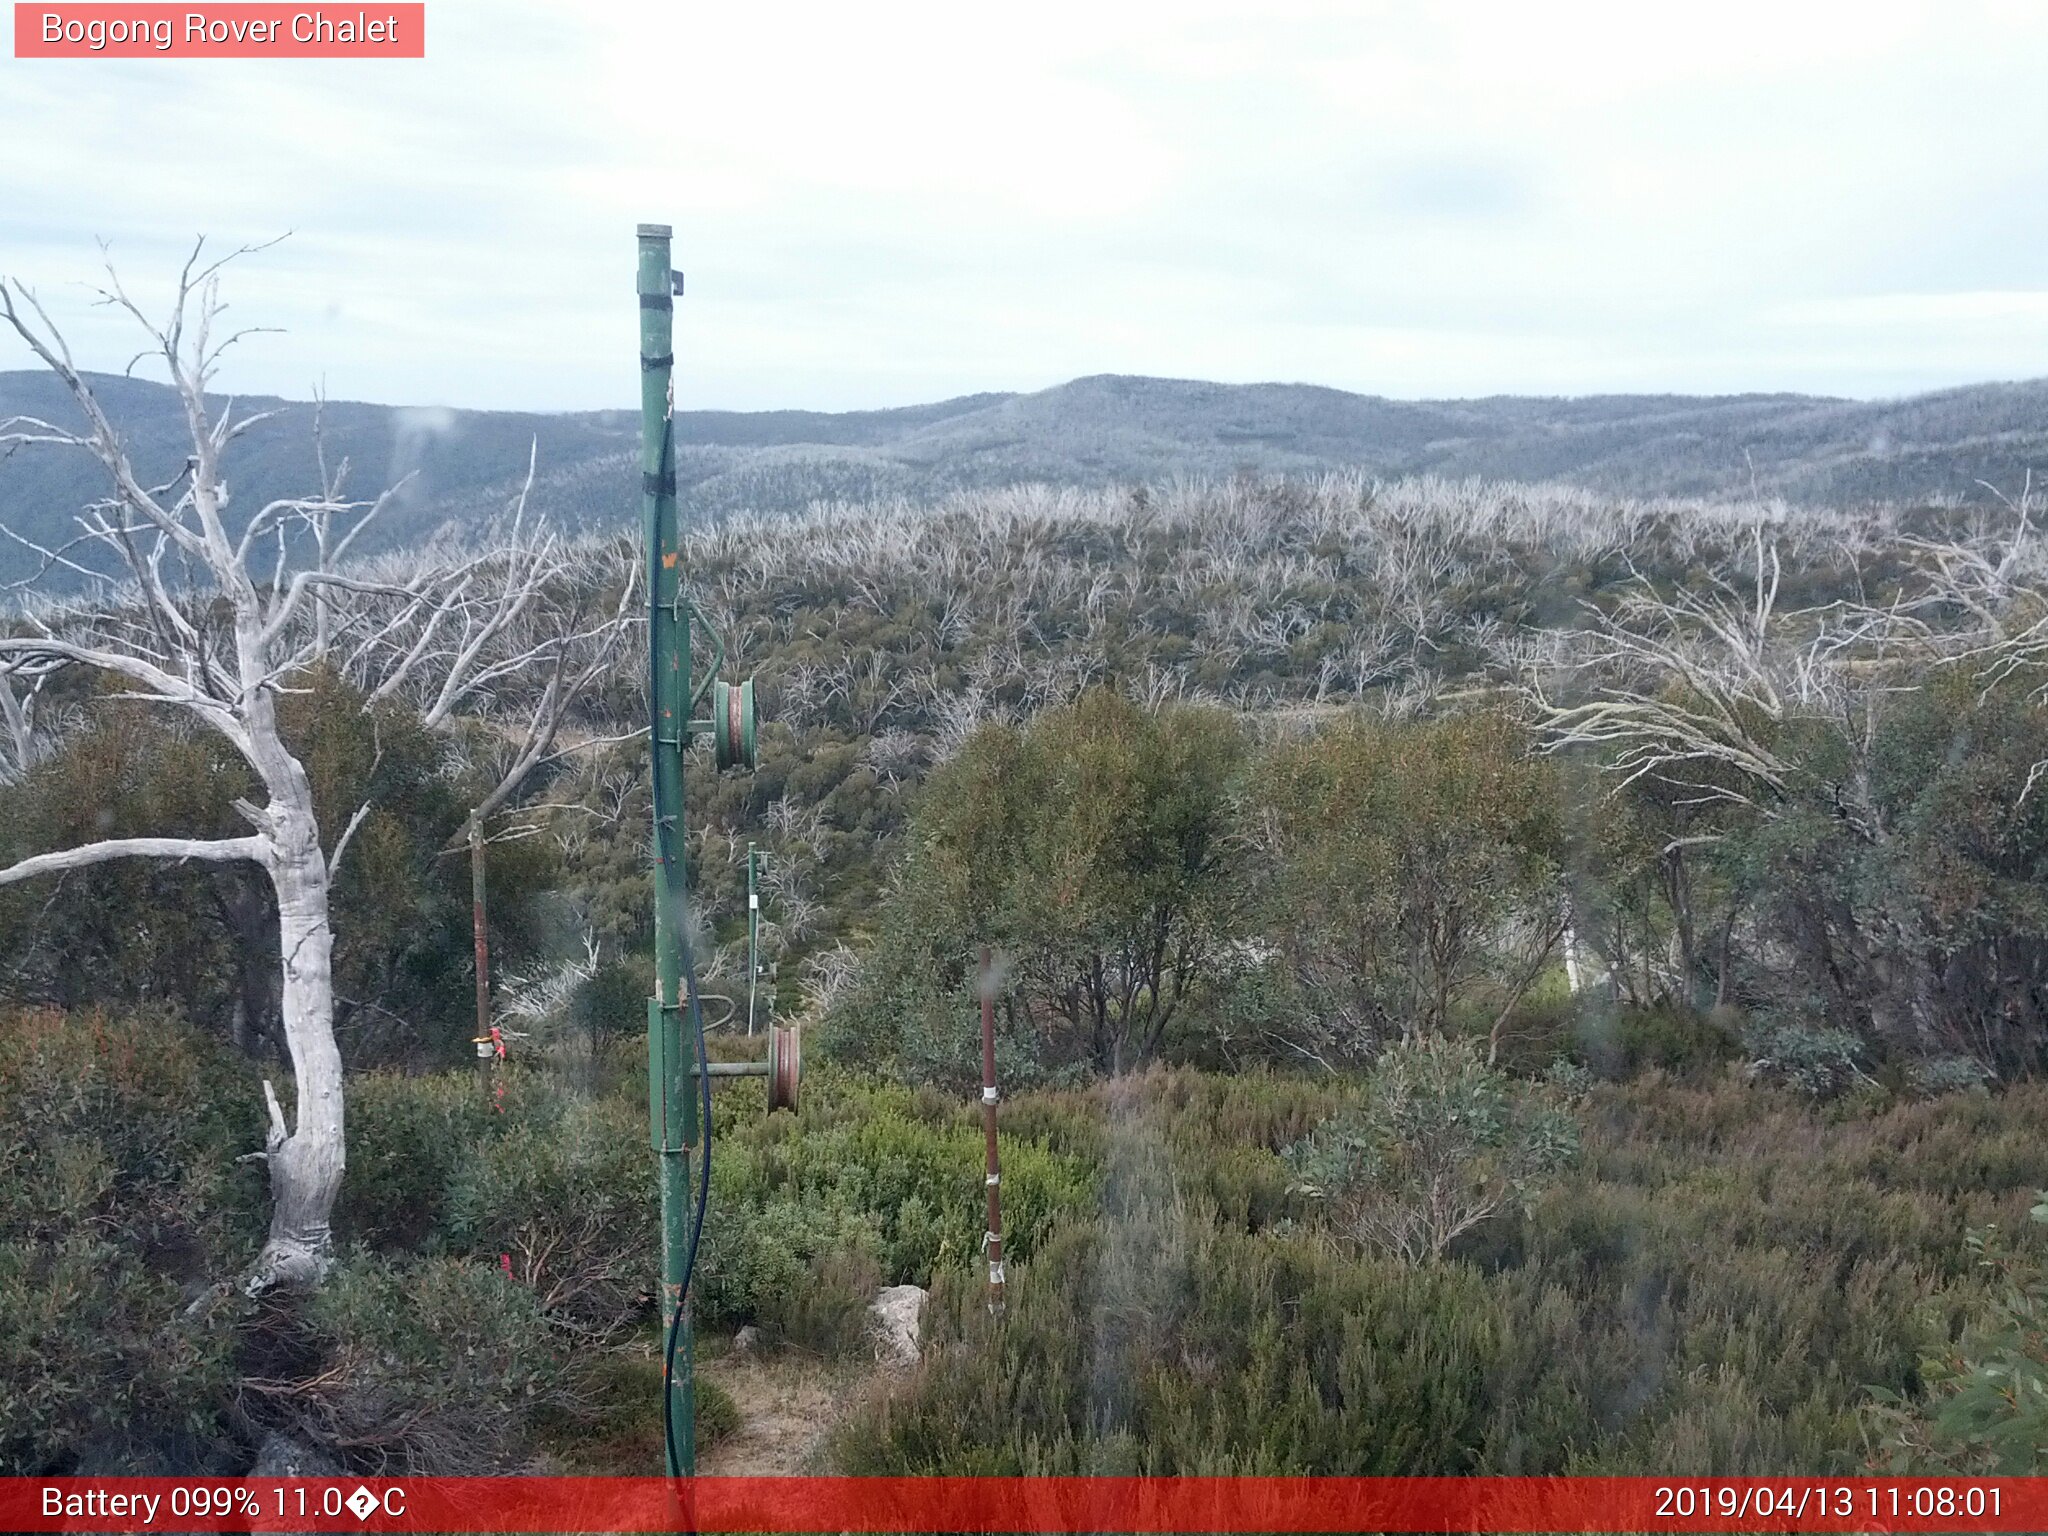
(665,1054)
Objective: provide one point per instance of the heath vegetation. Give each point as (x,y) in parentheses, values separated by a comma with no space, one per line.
(1494,978)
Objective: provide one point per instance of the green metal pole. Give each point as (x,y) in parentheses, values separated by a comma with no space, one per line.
(672,1106)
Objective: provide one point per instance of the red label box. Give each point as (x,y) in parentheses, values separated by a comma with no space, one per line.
(236,31)
(1068,1506)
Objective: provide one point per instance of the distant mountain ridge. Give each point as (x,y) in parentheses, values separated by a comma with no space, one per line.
(1105,429)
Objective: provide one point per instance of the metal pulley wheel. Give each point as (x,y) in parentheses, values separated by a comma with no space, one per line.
(732,724)
(785,1065)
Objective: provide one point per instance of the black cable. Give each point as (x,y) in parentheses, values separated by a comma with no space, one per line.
(675,1324)
(664,839)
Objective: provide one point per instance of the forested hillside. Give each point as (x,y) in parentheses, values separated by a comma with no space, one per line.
(1496,978)
(1094,432)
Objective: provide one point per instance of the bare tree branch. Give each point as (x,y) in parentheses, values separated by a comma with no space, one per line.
(178,849)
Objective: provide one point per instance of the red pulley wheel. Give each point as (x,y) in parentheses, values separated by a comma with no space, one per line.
(732,724)
(785,1065)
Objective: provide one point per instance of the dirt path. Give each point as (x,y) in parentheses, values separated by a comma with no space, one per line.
(788,1405)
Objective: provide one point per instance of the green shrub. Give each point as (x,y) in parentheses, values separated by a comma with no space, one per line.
(1090,844)
(101,1367)
(407,1138)
(1413,873)
(571,1199)
(430,1366)
(826,1311)
(123,1216)
(1441,1143)
(756,1263)
(864,1175)
(1164,1345)
(1818,1061)
(612,1000)
(1984,1411)
(1940,1075)
(1545,1024)
(1664,1037)
(1711,1287)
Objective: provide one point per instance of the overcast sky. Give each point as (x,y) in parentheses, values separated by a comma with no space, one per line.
(882,203)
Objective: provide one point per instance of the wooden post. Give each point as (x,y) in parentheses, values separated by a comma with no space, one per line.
(992,1239)
(753,938)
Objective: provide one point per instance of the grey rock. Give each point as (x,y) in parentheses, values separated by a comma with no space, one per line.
(282,1456)
(895,1316)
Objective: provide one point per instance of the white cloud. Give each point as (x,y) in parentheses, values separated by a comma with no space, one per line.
(899,201)
(1888,310)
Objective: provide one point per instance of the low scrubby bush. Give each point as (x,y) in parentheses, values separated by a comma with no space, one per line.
(434,1366)
(1818,1061)
(408,1136)
(570,1201)
(1163,1344)
(123,1215)
(826,1310)
(1440,1143)
(869,1184)
(1713,1287)
(1984,1411)
(1664,1037)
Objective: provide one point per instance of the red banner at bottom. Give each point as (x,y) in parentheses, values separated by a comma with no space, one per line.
(1024,1504)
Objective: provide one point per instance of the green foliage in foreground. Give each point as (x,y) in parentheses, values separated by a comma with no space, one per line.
(1713,1288)
(1987,1408)
(869,1184)
(1715,1285)
(431,1366)
(494,1307)
(120,1205)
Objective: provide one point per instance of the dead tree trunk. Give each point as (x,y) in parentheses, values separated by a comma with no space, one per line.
(306,1157)
(240,627)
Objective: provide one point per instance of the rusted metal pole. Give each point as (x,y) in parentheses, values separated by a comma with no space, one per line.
(486,1044)
(753,938)
(992,1240)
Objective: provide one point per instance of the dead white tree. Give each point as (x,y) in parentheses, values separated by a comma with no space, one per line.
(215,617)
(1710,735)
(23,741)
(1720,695)
(1698,688)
